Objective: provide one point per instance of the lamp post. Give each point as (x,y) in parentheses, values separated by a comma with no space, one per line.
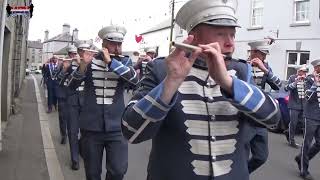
(172,23)
(2,27)
(72,37)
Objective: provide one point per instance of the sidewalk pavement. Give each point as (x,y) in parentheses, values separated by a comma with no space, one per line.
(22,157)
(28,151)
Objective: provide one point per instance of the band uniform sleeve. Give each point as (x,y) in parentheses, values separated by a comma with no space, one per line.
(292,85)
(309,82)
(253,102)
(76,78)
(311,93)
(146,112)
(273,81)
(124,70)
(138,65)
(62,76)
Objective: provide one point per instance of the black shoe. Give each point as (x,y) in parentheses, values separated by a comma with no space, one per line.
(294,145)
(63,140)
(298,161)
(307,176)
(49,110)
(80,151)
(286,133)
(75,166)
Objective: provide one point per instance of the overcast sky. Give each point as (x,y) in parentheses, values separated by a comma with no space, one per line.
(89,16)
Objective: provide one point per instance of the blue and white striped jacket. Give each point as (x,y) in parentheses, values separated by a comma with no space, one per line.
(312,105)
(261,79)
(200,133)
(103,92)
(74,97)
(297,90)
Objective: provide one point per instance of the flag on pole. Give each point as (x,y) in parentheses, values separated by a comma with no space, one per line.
(98,39)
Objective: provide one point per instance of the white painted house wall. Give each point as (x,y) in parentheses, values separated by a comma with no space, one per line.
(279,15)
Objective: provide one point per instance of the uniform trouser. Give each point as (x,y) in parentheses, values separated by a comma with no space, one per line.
(63,116)
(52,98)
(295,115)
(312,130)
(73,131)
(258,147)
(116,147)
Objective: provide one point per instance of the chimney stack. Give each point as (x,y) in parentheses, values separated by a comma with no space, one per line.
(75,34)
(66,28)
(46,35)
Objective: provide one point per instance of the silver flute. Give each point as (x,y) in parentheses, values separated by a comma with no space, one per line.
(189,47)
(186,47)
(96,52)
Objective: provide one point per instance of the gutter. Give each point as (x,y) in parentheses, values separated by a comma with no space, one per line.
(2,27)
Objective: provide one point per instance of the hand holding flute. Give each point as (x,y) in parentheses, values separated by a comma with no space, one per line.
(214,58)
(96,52)
(189,47)
(316,78)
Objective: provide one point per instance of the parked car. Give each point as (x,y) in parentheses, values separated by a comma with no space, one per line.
(27,71)
(38,71)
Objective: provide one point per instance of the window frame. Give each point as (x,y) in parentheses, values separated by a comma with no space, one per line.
(307,20)
(298,60)
(252,13)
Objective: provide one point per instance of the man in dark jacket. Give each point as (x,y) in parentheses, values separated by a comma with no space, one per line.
(51,83)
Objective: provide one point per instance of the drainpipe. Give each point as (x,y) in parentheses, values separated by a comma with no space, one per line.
(2,26)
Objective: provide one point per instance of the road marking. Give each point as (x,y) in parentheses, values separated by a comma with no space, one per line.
(53,164)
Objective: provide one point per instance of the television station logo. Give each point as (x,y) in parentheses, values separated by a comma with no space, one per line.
(26,11)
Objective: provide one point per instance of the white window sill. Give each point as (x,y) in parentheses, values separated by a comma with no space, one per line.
(179,35)
(295,24)
(255,28)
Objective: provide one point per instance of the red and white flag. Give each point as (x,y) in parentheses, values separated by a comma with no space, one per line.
(97,39)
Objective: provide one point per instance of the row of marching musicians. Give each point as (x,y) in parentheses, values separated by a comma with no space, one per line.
(304,103)
(203,109)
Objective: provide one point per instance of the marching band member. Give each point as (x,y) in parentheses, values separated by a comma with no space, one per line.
(62,94)
(194,105)
(262,75)
(105,77)
(296,87)
(143,60)
(312,123)
(73,101)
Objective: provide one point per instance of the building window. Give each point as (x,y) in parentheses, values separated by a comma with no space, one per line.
(256,13)
(301,10)
(296,59)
